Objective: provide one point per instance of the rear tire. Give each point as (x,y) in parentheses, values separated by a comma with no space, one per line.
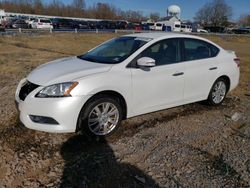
(101,116)
(218,92)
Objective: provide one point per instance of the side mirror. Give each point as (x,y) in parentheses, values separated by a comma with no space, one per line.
(146,62)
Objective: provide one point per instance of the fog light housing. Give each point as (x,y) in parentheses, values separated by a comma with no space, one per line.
(43,120)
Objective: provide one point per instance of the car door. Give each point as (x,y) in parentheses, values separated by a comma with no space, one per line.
(160,86)
(201,68)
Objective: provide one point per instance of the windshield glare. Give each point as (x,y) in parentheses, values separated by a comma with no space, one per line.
(115,51)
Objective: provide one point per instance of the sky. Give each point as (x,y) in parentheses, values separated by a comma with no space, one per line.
(188,7)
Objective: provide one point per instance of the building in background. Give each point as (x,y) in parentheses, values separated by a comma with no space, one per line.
(173,20)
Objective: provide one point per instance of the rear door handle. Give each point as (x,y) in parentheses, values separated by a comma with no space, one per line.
(213,68)
(178,74)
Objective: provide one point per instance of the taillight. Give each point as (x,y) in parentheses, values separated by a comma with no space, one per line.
(237,61)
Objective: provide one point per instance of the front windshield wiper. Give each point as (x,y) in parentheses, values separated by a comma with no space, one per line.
(87,59)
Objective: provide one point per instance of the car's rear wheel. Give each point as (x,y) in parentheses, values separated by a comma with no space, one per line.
(218,92)
(101,116)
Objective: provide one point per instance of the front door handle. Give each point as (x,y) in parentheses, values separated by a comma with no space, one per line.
(213,68)
(178,74)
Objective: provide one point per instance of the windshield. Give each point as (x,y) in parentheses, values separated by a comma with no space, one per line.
(115,51)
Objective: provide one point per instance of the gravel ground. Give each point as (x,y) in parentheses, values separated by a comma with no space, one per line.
(189,146)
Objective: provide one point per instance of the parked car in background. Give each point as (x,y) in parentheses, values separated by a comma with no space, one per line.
(59,23)
(176,26)
(121,25)
(137,26)
(2,28)
(8,22)
(145,27)
(42,23)
(159,26)
(122,78)
(82,25)
(92,24)
(29,21)
(215,29)
(106,25)
(151,25)
(20,24)
(186,28)
(241,31)
(202,31)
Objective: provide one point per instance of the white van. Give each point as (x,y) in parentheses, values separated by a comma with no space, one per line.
(186,28)
(159,26)
(177,26)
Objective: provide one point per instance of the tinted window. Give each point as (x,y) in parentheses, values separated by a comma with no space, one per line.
(197,49)
(163,52)
(45,21)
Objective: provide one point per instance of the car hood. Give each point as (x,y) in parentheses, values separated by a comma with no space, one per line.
(65,70)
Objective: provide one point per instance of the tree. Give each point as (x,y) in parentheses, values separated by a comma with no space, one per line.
(154,16)
(78,7)
(215,13)
(244,20)
(38,6)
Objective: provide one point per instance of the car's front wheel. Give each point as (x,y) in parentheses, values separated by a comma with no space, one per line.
(218,92)
(101,116)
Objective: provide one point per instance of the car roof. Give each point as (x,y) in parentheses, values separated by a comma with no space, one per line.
(160,35)
(166,35)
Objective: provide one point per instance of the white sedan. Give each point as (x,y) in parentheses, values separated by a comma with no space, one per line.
(122,78)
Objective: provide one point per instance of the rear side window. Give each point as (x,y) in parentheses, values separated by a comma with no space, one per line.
(195,49)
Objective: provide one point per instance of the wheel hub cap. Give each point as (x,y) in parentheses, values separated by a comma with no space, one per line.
(219,92)
(103,118)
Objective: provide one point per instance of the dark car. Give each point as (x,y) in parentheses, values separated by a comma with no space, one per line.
(215,29)
(131,26)
(9,22)
(2,29)
(20,24)
(145,27)
(121,25)
(82,25)
(241,31)
(59,23)
(92,24)
(106,25)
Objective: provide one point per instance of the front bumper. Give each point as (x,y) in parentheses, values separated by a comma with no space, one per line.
(64,110)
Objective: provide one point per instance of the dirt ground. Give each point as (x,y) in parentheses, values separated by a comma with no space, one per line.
(189,146)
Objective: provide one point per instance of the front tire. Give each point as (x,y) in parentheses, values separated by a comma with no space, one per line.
(218,92)
(101,116)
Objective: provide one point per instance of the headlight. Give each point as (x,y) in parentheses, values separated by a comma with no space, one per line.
(57,90)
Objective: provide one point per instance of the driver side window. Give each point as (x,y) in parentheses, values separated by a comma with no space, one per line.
(163,52)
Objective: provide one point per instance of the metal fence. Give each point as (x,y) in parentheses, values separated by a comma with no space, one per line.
(44,31)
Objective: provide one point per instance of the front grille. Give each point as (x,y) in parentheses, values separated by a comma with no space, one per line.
(26,90)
